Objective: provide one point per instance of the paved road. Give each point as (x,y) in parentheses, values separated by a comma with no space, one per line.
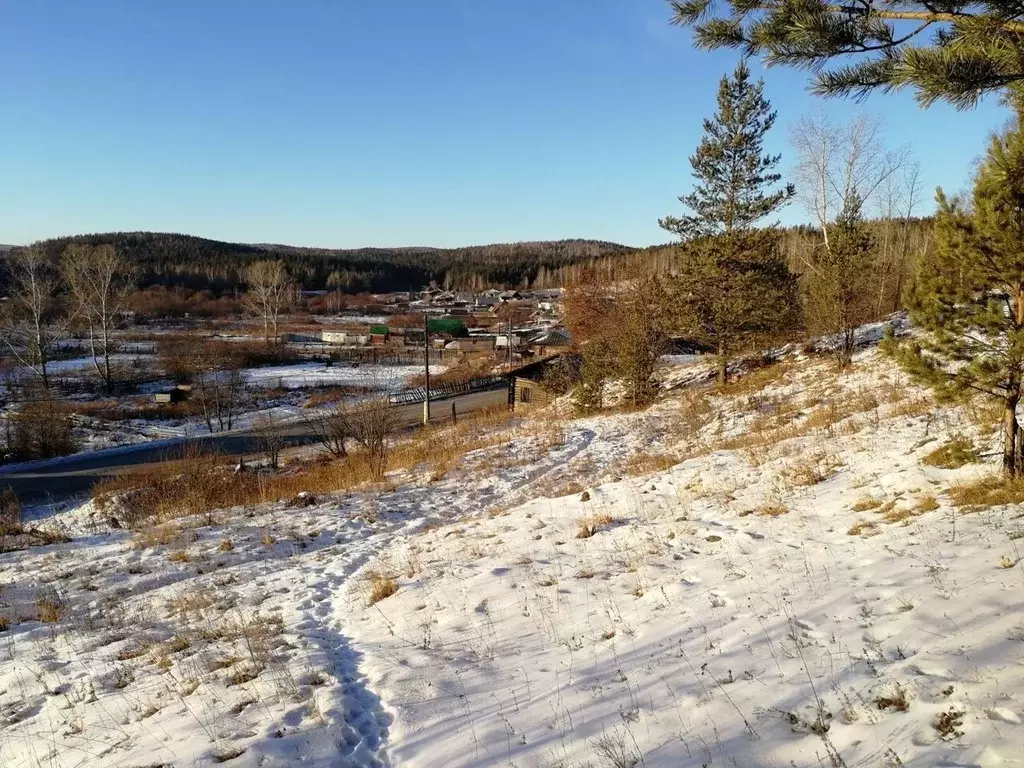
(75,475)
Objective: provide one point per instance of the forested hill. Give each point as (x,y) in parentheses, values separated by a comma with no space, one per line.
(166,259)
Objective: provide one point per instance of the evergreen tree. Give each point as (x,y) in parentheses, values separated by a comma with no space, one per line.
(730,286)
(974,48)
(840,287)
(735,178)
(595,366)
(969,294)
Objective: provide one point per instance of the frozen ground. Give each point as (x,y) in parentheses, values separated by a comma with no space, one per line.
(766,578)
(97,434)
(380,378)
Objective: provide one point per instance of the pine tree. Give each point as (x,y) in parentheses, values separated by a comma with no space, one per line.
(730,286)
(969,295)
(840,286)
(971,48)
(735,177)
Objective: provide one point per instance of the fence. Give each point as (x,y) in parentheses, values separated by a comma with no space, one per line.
(451,389)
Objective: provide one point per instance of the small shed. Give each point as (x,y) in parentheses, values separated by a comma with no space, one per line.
(176,394)
(529,392)
(334,337)
(472,344)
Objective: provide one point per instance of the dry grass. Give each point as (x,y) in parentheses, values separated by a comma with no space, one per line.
(896,699)
(588,526)
(759,378)
(162,536)
(912,407)
(381,587)
(954,454)
(5,623)
(771,510)
(695,412)
(862,526)
(136,498)
(50,606)
(644,463)
(812,470)
(866,504)
(988,491)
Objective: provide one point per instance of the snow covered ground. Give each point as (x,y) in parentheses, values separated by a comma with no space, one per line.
(95,434)
(381,378)
(769,577)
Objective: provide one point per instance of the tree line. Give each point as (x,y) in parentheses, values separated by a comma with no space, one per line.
(208,265)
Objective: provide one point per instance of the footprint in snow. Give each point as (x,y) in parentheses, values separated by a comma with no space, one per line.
(719,600)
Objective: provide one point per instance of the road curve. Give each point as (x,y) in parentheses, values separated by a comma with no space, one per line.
(75,475)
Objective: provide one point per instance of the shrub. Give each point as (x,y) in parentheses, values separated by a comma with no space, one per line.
(42,429)
(50,606)
(896,699)
(10,512)
(953,454)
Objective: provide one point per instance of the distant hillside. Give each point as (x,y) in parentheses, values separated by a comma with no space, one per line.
(171,259)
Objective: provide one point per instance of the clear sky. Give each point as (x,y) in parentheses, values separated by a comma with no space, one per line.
(369,122)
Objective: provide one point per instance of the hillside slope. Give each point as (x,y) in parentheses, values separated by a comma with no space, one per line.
(201,263)
(770,576)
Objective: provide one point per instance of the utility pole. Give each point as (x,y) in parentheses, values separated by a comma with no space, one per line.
(510,344)
(426,368)
(511,378)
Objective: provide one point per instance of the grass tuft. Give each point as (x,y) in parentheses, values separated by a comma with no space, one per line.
(382,586)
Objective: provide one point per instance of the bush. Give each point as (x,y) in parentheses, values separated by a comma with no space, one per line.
(42,429)
(10,512)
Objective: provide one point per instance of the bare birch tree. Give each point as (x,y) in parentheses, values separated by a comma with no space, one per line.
(838,163)
(896,202)
(269,290)
(32,319)
(99,283)
(841,169)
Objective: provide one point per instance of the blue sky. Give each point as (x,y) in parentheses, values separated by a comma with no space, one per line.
(360,122)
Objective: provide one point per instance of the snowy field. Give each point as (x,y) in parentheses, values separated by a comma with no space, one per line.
(380,378)
(99,434)
(769,577)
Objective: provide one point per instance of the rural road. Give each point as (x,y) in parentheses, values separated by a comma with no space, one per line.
(75,475)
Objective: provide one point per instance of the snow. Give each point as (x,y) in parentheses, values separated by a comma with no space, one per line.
(375,377)
(76,364)
(722,613)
